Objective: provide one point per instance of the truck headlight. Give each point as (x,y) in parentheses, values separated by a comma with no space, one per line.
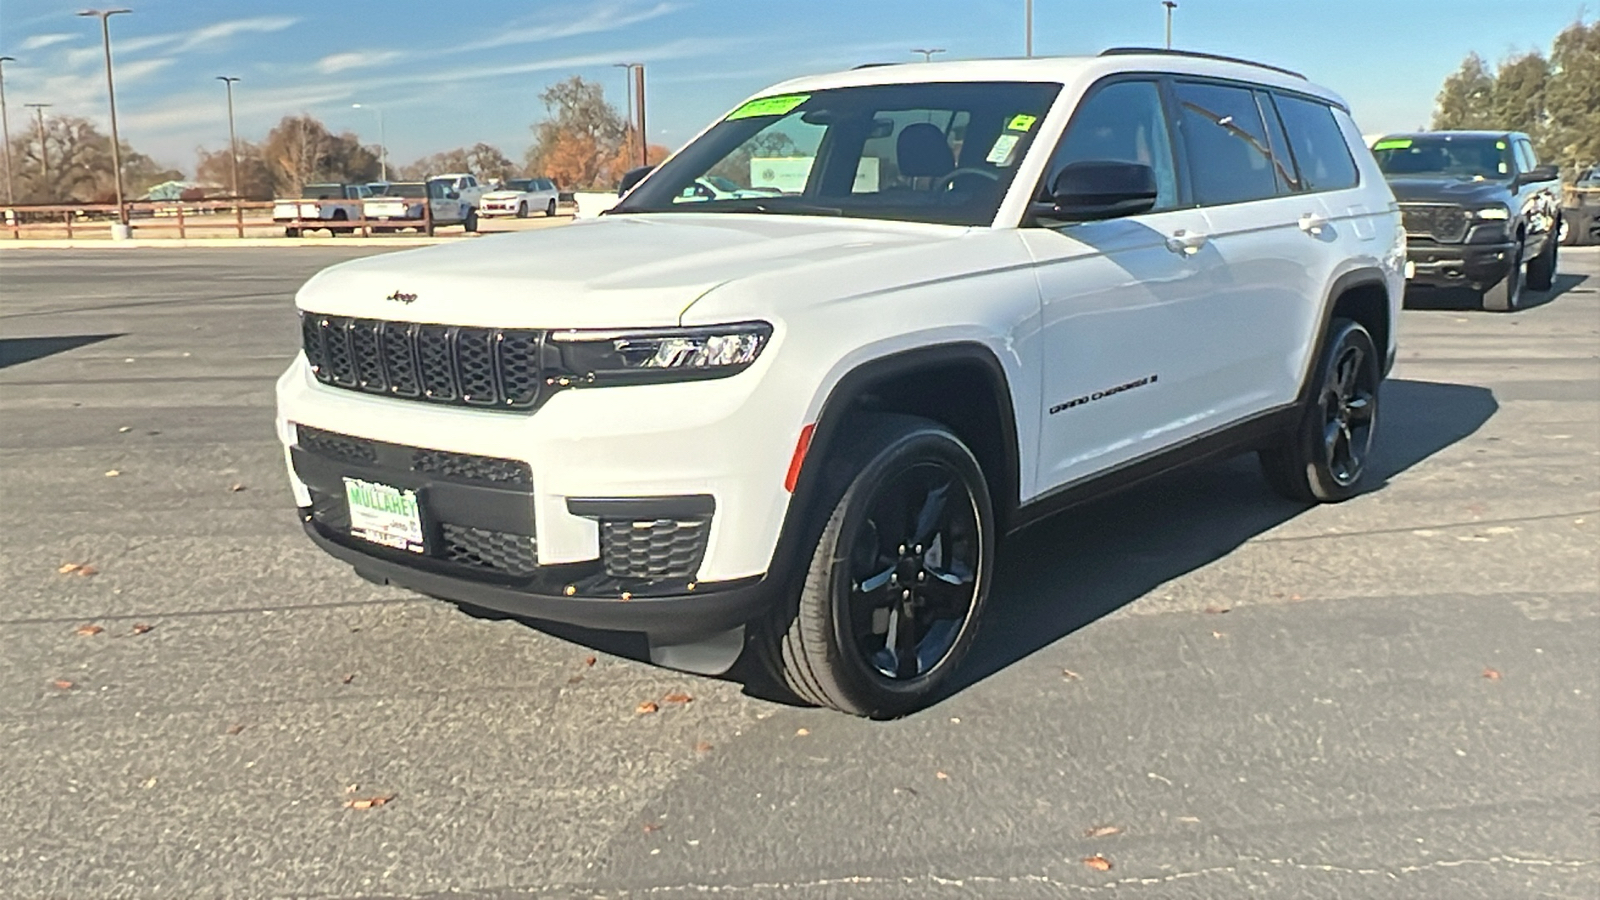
(655,355)
(1492,214)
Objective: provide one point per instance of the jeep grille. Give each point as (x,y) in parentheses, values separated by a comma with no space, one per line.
(1442,222)
(490,368)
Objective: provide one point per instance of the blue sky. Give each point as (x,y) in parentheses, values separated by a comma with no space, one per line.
(447,75)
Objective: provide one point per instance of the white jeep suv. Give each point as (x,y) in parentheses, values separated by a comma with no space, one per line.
(797,425)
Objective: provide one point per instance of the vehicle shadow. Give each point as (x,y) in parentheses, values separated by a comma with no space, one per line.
(1461,299)
(1069,571)
(15,351)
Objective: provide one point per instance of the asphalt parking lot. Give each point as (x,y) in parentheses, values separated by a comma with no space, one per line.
(1218,693)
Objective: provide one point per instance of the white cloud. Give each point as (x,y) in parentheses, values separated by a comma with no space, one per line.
(601,18)
(222,30)
(40,41)
(340,62)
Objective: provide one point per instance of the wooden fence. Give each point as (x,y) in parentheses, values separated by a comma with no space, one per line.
(197,218)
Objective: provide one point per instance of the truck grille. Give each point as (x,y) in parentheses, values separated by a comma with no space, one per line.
(1442,222)
(490,368)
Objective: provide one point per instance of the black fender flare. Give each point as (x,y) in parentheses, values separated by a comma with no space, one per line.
(1364,276)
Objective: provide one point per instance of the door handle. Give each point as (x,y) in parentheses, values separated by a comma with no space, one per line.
(1313,223)
(1186,243)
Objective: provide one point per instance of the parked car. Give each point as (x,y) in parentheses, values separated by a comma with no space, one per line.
(291,213)
(1580,210)
(1480,211)
(463,184)
(798,426)
(402,205)
(519,196)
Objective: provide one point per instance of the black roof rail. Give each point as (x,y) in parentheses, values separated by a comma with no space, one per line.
(875,65)
(1195,54)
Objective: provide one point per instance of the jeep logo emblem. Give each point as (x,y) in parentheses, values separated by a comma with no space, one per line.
(399,297)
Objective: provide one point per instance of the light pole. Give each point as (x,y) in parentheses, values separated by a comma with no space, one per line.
(627,88)
(1029,17)
(233,143)
(636,95)
(1170,5)
(927,55)
(104,15)
(5,126)
(383,143)
(44,156)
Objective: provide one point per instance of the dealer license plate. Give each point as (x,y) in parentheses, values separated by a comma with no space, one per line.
(1411,270)
(384,515)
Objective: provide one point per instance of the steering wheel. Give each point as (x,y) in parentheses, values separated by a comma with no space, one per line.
(948,179)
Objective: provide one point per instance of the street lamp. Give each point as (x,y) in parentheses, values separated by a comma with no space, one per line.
(383,144)
(233,143)
(5,126)
(1170,5)
(927,55)
(1029,16)
(104,15)
(636,95)
(44,156)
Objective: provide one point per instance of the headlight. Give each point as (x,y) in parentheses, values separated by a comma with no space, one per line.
(1492,214)
(648,356)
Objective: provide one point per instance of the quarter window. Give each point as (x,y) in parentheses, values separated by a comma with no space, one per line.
(1225,142)
(1121,122)
(1318,144)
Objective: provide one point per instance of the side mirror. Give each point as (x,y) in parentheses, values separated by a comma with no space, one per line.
(1542,173)
(633,177)
(1099,189)
(452,195)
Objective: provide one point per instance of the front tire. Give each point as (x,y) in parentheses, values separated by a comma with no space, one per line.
(897,579)
(1324,457)
(1542,271)
(522,209)
(550,210)
(471,223)
(1506,295)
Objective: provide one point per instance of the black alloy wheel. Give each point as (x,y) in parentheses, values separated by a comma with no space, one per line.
(898,575)
(1323,459)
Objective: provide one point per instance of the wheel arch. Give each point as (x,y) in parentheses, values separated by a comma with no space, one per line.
(1362,295)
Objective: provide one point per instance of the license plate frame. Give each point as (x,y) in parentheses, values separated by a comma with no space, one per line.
(385,515)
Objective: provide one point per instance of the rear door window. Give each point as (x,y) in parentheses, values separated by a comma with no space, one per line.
(1225,144)
(1319,146)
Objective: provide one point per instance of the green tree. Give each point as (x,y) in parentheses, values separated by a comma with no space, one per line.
(1517,100)
(483,160)
(1572,98)
(581,139)
(255,176)
(1463,102)
(71,163)
(300,150)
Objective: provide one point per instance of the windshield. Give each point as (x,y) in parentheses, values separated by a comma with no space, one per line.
(322,192)
(412,189)
(1462,157)
(941,153)
(519,184)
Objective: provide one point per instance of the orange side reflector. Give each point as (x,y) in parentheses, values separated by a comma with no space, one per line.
(800,448)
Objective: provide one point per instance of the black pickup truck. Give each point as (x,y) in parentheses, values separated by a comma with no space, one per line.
(1479,211)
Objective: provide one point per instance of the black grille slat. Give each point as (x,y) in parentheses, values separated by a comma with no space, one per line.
(475,366)
(665,548)
(368,356)
(436,363)
(1444,223)
(487,368)
(499,551)
(400,359)
(338,446)
(471,467)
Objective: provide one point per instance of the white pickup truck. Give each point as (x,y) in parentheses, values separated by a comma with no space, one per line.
(293,213)
(402,205)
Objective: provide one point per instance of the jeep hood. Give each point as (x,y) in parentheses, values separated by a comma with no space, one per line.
(1463,191)
(614,271)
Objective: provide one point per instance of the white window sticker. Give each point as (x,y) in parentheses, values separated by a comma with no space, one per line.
(1000,153)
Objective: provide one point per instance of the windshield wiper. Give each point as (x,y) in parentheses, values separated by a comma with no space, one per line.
(797,209)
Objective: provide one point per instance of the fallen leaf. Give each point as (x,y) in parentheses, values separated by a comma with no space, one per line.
(1217,610)
(703,747)
(112,473)
(645,708)
(801,732)
(677,697)
(150,782)
(1101,831)
(1491,674)
(235,728)
(236,488)
(351,788)
(941,776)
(125,429)
(1218,634)
(1190,819)
(651,828)
(574,679)
(63,684)
(588,660)
(348,678)
(87,630)
(142,628)
(1295,597)
(1098,863)
(82,569)
(1070,675)
(368,802)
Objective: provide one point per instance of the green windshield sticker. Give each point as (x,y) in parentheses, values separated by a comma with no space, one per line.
(1021,123)
(780,105)
(1499,145)
(1394,144)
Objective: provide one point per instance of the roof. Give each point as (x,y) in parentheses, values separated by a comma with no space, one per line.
(1072,71)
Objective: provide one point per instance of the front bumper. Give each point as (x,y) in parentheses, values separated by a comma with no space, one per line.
(1475,266)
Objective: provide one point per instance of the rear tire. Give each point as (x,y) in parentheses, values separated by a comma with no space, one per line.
(471,223)
(291,232)
(1506,295)
(1322,459)
(897,579)
(1542,271)
(550,210)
